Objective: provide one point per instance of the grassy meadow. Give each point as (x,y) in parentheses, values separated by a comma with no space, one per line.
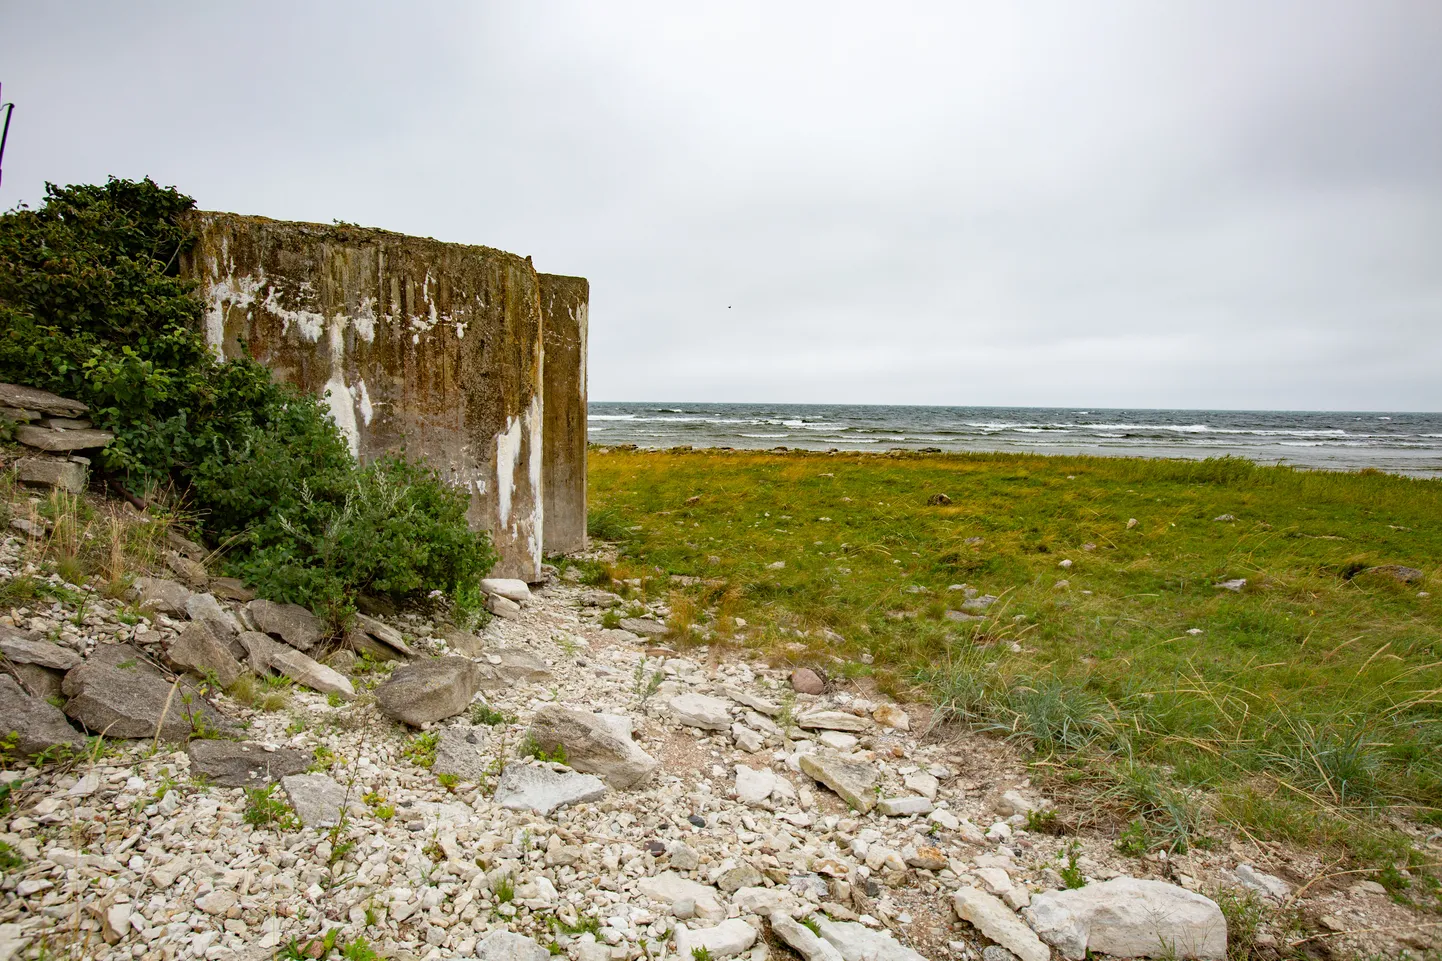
(1303,707)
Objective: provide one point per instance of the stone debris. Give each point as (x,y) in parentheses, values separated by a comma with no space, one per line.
(806,681)
(266,655)
(198,650)
(996,921)
(1266,884)
(291,623)
(127,697)
(161,595)
(24,650)
(699,710)
(851,778)
(512,589)
(66,475)
(318,799)
(535,787)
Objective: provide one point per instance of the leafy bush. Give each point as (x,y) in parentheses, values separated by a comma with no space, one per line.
(92,306)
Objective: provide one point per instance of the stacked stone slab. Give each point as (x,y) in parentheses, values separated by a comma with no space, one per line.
(427,348)
(56,431)
(564,304)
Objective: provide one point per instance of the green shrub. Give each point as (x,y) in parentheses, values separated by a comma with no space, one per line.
(92,306)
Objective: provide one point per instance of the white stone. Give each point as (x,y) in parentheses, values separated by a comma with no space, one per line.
(922,783)
(701,710)
(506,946)
(1130,918)
(997,922)
(512,589)
(1263,883)
(832,721)
(856,942)
(838,740)
(722,941)
(898,807)
(535,787)
(801,939)
(753,786)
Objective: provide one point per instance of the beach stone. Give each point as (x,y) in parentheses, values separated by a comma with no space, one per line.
(161,595)
(40,401)
(535,787)
(724,940)
(204,607)
(42,438)
(832,721)
(429,690)
(800,938)
(503,607)
(25,650)
(197,649)
(857,942)
(117,693)
(806,681)
(851,778)
(505,945)
(37,725)
(700,710)
(52,472)
(900,807)
(291,623)
(997,922)
(317,798)
(597,744)
(244,763)
(267,655)
(1130,918)
(512,589)
(643,626)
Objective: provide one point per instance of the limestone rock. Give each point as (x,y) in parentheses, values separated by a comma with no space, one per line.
(900,807)
(463,642)
(889,715)
(24,650)
(832,721)
(231,588)
(460,752)
(597,744)
(502,945)
(753,786)
(1263,883)
(722,941)
(746,739)
(1014,802)
(643,626)
(1130,918)
(800,938)
(996,921)
(40,401)
(204,607)
(503,607)
(291,623)
(511,588)
(922,783)
(197,649)
(514,666)
(429,690)
(266,655)
(42,682)
(857,942)
(700,710)
(38,725)
(852,778)
(189,571)
(741,876)
(925,856)
(668,887)
(535,787)
(318,799)
(43,438)
(52,472)
(161,595)
(244,763)
(602,599)
(117,693)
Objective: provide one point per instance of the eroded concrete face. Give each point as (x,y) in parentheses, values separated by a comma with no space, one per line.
(421,347)
(564,302)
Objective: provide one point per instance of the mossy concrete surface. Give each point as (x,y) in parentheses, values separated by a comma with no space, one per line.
(422,347)
(564,302)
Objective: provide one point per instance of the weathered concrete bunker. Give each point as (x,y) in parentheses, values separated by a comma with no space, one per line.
(564,303)
(422,347)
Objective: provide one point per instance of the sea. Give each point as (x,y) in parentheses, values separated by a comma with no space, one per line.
(1396,442)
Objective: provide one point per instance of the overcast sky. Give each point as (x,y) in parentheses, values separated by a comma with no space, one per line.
(1210,204)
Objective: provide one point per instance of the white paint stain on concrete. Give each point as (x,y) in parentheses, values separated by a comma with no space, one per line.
(534,421)
(508,455)
(366,410)
(365,320)
(309,324)
(580,314)
(226,294)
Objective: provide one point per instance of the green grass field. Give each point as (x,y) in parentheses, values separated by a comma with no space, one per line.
(1304,707)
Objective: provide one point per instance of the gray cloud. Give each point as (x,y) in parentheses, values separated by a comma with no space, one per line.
(1212,204)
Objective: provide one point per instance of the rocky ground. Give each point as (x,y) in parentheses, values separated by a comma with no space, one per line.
(553,787)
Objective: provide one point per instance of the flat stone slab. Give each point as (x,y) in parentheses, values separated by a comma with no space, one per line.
(266,655)
(291,623)
(853,779)
(24,650)
(508,946)
(36,724)
(832,721)
(700,710)
(52,472)
(318,800)
(1130,918)
(461,751)
(536,787)
(597,744)
(245,764)
(857,942)
(43,438)
(161,595)
(115,692)
(995,920)
(198,649)
(900,807)
(643,626)
(40,401)
(511,588)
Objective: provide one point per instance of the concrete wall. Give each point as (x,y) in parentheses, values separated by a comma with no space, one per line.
(564,302)
(424,347)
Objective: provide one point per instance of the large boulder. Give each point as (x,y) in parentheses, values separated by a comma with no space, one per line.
(117,693)
(537,787)
(266,655)
(1130,918)
(429,690)
(244,763)
(291,623)
(197,649)
(512,589)
(597,744)
(34,724)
